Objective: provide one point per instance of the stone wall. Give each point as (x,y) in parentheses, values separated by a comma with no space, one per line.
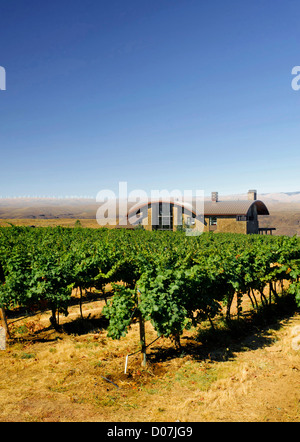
(231,225)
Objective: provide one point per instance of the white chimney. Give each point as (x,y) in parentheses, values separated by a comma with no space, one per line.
(214,197)
(252,195)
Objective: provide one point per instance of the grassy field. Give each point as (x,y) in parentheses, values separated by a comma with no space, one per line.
(251,373)
(64,222)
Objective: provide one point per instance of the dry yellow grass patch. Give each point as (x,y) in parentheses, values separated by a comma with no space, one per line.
(39,222)
(47,376)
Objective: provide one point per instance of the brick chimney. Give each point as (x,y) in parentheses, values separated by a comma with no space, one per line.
(215,197)
(252,195)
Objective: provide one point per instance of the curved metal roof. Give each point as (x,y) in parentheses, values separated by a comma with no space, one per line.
(186,205)
(229,208)
(238,207)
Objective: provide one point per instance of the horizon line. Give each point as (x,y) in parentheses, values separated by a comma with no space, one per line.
(89,197)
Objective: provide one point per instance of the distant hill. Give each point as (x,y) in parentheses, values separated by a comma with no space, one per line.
(284,208)
(47,208)
(279,197)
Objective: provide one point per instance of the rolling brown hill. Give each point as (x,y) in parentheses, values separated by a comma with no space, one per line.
(284,211)
(285,217)
(47,208)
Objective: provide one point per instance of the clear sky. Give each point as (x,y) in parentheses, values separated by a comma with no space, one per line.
(163,94)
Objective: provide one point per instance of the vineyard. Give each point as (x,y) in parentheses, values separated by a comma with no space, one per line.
(172,280)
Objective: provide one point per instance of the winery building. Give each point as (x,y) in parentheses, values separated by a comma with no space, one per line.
(235,216)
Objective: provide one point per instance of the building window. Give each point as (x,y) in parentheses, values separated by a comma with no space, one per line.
(164,217)
(241,218)
(190,221)
(212,220)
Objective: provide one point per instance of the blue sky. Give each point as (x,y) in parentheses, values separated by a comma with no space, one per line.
(163,94)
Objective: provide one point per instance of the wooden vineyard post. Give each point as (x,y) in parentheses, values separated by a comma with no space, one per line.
(142,335)
(3,321)
(143,340)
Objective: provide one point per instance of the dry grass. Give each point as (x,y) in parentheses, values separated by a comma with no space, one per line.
(249,375)
(63,222)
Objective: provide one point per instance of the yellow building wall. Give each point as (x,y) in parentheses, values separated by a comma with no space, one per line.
(175,215)
(197,226)
(147,221)
(206,224)
(226,225)
(230,225)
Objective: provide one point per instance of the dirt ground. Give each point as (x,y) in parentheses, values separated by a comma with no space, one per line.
(78,375)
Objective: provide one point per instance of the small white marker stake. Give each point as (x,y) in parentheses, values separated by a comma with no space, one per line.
(126,362)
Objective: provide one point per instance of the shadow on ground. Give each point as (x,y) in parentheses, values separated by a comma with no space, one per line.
(81,326)
(221,343)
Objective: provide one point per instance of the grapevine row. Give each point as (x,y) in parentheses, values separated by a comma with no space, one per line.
(173,280)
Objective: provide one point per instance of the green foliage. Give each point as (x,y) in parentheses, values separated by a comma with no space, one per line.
(173,280)
(119,311)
